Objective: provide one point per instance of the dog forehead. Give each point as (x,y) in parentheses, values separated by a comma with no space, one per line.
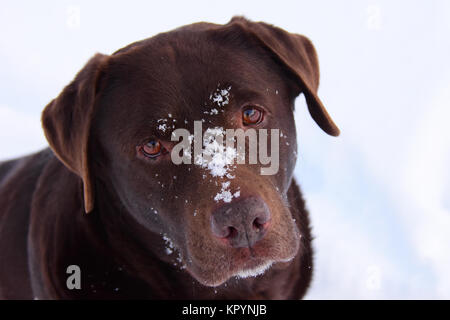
(176,76)
(194,58)
(168,75)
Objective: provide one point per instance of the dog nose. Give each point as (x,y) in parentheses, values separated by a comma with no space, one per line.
(242,222)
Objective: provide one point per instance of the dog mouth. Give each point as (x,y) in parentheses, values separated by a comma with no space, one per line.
(241,263)
(243,238)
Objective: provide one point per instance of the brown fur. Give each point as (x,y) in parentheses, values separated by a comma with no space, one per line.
(93,128)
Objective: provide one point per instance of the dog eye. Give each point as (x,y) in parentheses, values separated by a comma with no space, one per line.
(152,149)
(252,115)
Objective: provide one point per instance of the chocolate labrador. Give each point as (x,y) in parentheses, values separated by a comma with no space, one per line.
(106,213)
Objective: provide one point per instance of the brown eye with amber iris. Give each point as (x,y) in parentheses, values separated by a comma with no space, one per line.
(252,115)
(152,149)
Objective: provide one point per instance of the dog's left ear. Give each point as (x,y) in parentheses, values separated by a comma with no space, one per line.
(67,120)
(298,55)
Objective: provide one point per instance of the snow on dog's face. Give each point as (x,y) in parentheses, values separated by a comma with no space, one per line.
(220,78)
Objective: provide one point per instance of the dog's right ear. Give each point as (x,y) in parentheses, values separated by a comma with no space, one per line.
(67,121)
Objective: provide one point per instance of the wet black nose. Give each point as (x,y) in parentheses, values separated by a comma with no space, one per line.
(242,222)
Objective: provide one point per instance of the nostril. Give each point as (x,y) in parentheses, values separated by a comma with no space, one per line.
(259,224)
(231,233)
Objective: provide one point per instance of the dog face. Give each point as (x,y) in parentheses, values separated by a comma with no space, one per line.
(122,110)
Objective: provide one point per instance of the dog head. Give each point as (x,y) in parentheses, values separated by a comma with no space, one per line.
(224,219)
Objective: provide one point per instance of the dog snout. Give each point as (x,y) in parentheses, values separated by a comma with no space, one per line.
(242,222)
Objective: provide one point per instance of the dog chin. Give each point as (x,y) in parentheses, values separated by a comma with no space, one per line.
(243,273)
(253,272)
(260,269)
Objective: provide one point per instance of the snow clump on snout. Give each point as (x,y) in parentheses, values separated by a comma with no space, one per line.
(216,157)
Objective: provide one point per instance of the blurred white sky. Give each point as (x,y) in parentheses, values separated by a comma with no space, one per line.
(379,194)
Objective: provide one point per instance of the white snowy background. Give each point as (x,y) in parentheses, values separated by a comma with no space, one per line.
(379,195)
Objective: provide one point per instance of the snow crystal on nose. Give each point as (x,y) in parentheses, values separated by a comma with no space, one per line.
(225,194)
